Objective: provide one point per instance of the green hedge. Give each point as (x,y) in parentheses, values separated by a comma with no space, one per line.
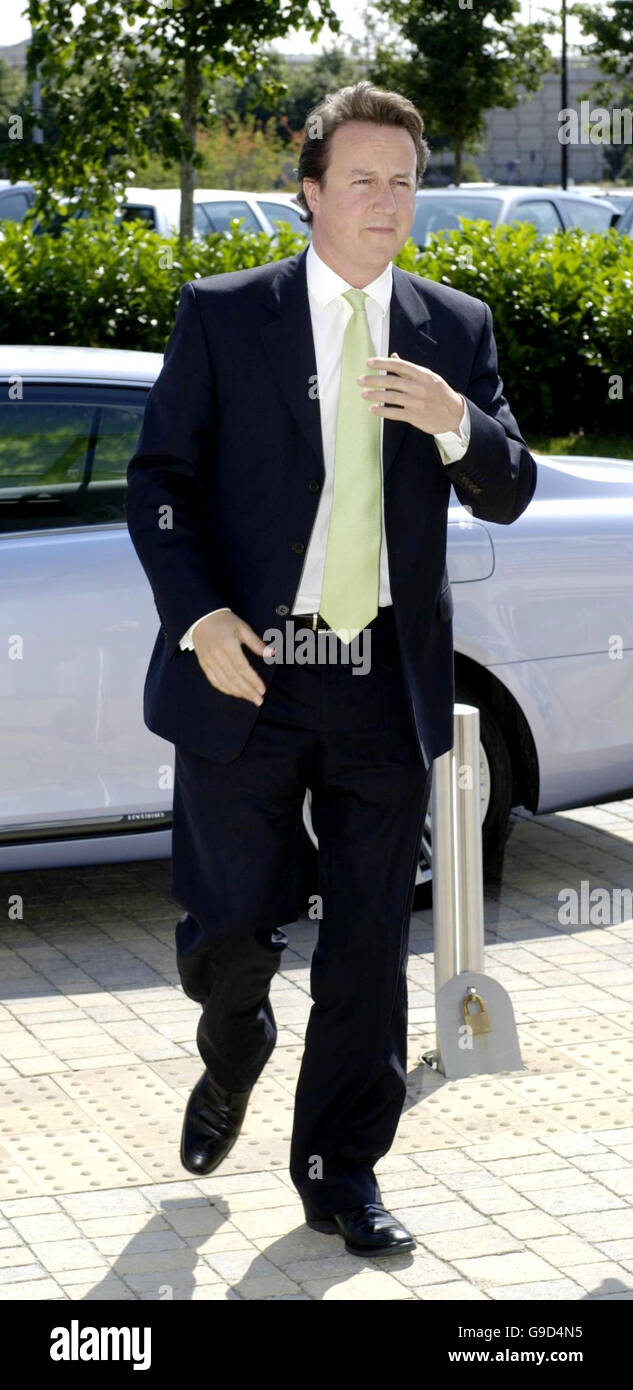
(562,305)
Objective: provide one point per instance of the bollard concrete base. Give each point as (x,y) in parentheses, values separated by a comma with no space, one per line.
(462,1050)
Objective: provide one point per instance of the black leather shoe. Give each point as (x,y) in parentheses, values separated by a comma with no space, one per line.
(213,1120)
(368,1230)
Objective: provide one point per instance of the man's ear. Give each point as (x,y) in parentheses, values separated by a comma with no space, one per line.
(308,187)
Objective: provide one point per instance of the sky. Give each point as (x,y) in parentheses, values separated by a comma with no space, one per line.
(14,27)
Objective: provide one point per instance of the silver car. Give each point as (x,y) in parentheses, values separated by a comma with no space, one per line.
(213,210)
(548,209)
(543,627)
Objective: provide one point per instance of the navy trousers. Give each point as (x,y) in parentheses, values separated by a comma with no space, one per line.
(348,737)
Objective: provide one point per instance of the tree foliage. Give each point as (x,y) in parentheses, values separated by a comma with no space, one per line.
(129,76)
(456,62)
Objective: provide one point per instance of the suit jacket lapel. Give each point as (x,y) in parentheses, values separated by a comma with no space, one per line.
(289,347)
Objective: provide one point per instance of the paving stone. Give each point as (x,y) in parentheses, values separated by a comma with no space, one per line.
(516,1267)
(139,1242)
(585,1198)
(603,1276)
(14,1256)
(459,1291)
(565,1250)
(603,1163)
(59,1255)
(118,1202)
(111,1290)
(488,1239)
(443,1216)
(530,1225)
(602,1225)
(375,1285)
(571,1145)
(544,1291)
(29,1206)
(30,1289)
(621,1250)
(177,1284)
(277,1221)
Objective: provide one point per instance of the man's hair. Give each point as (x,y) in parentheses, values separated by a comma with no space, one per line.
(362,102)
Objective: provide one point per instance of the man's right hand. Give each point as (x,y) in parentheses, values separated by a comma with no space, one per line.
(218,641)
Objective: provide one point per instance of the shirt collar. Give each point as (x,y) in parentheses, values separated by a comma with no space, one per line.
(324,284)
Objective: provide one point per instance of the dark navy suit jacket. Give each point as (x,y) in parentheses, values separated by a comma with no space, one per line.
(224,485)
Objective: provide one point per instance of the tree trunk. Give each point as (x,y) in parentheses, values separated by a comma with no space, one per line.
(191,97)
(458,150)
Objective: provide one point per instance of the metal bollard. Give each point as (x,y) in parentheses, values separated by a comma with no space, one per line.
(458,917)
(458,895)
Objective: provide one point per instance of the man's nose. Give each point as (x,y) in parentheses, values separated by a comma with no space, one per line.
(386,199)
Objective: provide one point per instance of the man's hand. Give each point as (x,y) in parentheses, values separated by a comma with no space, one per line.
(218,641)
(413,394)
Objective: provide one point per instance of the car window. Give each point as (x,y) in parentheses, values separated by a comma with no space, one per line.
(64,452)
(282,212)
(540,211)
(216,217)
(137,212)
(14,207)
(590,216)
(441,214)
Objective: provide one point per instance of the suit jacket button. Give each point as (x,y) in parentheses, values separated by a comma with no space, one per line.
(282,610)
(314,486)
(298,547)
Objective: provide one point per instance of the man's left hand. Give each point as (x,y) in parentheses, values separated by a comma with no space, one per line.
(413,394)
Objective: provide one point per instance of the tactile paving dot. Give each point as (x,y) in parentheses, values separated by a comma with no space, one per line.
(560,1033)
(122,1100)
(251,1156)
(417,1131)
(178,1072)
(543,1059)
(612,1113)
(27,1108)
(543,1089)
(610,1055)
(73,1161)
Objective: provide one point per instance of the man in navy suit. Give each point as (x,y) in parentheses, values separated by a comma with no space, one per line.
(292,476)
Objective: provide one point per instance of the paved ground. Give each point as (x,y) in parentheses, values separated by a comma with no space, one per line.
(517,1186)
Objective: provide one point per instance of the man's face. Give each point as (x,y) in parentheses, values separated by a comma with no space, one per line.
(363,212)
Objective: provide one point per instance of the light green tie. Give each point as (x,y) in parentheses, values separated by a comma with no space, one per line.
(349,597)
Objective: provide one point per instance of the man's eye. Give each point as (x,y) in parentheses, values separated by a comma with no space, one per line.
(404,183)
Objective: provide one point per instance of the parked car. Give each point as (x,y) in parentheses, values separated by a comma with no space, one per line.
(625,225)
(15,200)
(543,627)
(285,208)
(549,209)
(621,196)
(214,208)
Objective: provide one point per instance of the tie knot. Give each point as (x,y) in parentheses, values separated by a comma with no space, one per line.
(357,299)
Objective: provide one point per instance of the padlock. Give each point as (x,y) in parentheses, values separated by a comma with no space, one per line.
(478,1022)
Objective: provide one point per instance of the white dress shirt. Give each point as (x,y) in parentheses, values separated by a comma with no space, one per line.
(330,314)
